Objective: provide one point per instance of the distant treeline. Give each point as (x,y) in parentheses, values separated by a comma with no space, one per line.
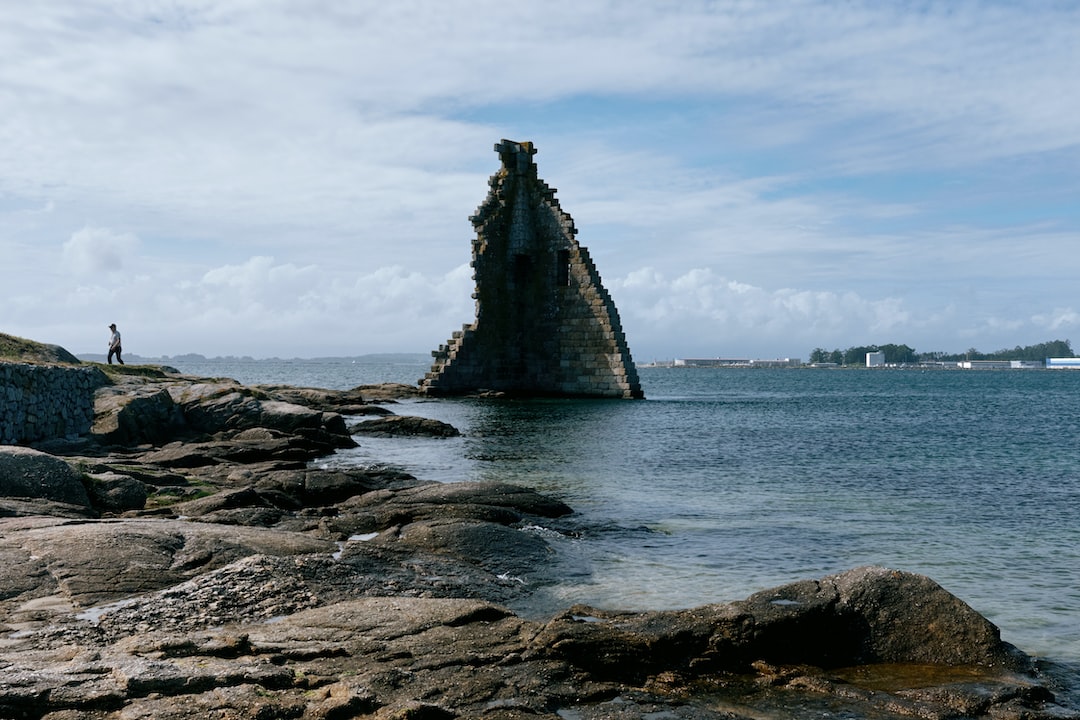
(900,354)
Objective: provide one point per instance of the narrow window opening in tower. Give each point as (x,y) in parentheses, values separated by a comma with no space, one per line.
(563,269)
(522,269)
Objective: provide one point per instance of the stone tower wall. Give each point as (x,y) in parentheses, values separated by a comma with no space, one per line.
(544,324)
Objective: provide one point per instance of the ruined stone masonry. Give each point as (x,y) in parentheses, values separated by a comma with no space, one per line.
(40,402)
(545,326)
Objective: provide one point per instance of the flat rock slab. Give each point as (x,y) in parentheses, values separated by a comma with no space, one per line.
(92,562)
(398,425)
(497,494)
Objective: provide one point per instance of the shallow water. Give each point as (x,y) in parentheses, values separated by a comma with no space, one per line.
(724,482)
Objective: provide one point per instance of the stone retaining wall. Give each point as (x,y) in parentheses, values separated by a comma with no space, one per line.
(40,402)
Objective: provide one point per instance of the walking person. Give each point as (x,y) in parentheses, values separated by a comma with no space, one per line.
(114,345)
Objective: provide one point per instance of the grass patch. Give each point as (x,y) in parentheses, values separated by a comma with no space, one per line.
(17,349)
(114,371)
(172,494)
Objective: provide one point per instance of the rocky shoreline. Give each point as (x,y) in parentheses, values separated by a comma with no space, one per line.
(189,558)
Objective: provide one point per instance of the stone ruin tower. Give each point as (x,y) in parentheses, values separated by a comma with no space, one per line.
(544,326)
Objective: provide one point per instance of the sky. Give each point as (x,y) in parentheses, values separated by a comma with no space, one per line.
(294,178)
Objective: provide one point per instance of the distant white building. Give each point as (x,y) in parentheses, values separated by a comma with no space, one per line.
(777,362)
(711,362)
(998,365)
(736,362)
(875,359)
(1072,363)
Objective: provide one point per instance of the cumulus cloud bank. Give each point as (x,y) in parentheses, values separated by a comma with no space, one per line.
(98,251)
(295,178)
(711,316)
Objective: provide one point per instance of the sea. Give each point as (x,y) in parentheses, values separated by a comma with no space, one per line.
(727,481)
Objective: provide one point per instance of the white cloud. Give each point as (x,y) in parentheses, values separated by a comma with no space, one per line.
(1060,320)
(281,309)
(99,251)
(701,313)
(258,283)
(784,174)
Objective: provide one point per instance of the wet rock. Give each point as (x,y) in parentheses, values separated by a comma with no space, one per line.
(866,615)
(247,700)
(255,445)
(332,436)
(498,503)
(499,549)
(493,494)
(910,618)
(364,410)
(382,392)
(316,398)
(394,425)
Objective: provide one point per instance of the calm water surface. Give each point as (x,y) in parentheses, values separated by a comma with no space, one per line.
(725,482)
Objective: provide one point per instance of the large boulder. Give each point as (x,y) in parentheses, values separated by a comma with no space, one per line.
(497,548)
(486,502)
(388,392)
(316,486)
(116,493)
(27,473)
(865,615)
(127,415)
(316,398)
(910,618)
(395,425)
(287,417)
(212,408)
(489,494)
(251,446)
